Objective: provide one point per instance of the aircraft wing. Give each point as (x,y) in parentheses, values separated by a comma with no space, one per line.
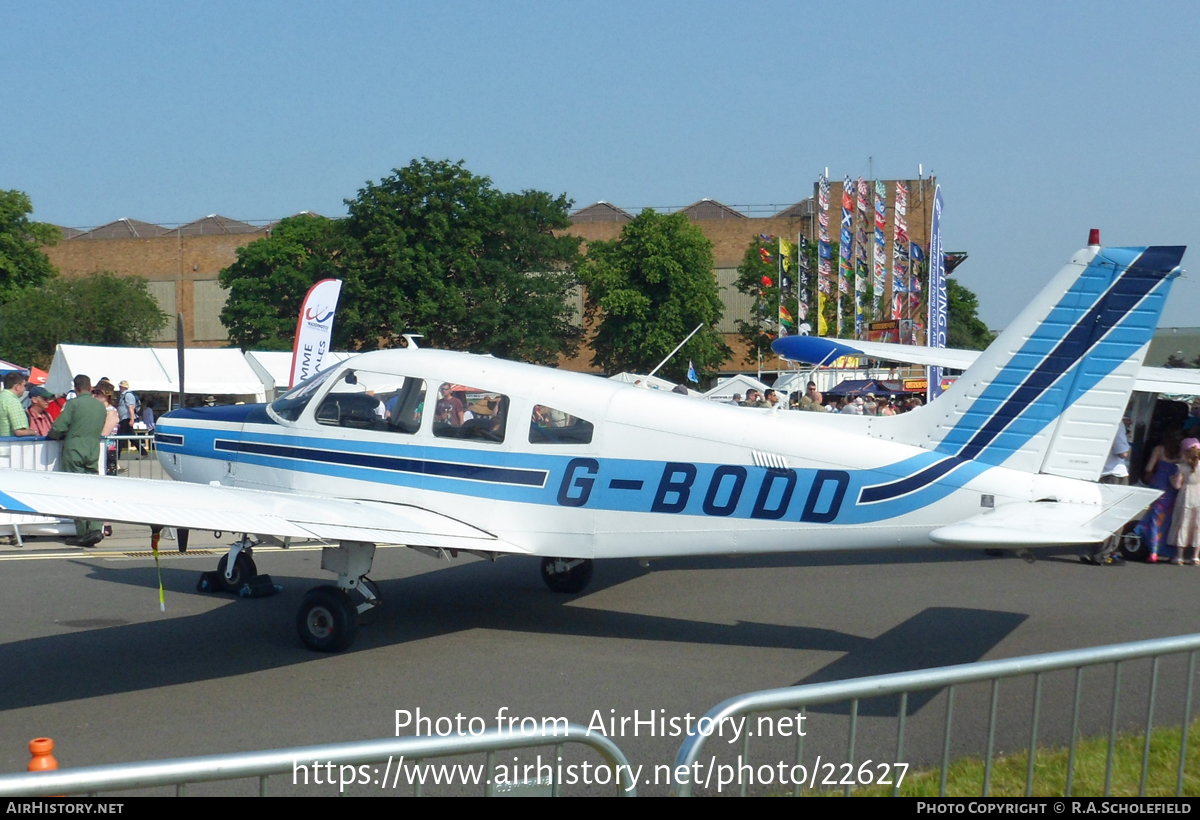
(1049,523)
(820,350)
(233,509)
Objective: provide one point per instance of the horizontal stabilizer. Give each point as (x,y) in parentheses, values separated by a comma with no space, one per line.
(233,509)
(1049,523)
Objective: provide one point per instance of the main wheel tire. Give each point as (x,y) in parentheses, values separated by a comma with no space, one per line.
(327,621)
(569,581)
(244,571)
(1133,549)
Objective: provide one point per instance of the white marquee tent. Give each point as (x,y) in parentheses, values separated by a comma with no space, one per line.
(649,382)
(725,388)
(207,371)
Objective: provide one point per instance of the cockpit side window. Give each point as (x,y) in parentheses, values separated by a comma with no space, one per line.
(550,426)
(363,400)
(291,404)
(470,413)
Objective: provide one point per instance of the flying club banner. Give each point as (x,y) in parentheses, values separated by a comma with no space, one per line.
(938,302)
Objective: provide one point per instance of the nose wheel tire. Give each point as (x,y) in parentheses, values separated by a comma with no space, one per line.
(566,574)
(244,571)
(327,620)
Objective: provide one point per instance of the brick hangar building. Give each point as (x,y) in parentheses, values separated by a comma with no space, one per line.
(182,263)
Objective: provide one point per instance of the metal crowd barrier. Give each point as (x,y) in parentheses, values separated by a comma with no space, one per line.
(412,749)
(902,683)
(121,453)
(130,461)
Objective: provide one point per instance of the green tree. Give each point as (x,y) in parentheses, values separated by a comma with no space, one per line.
(435,249)
(758,276)
(964,328)
(271,276)
(649,288)
(99,309)
(22,261)
(431,249)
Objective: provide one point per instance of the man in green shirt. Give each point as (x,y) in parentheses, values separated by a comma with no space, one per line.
(13,421)
(79,426)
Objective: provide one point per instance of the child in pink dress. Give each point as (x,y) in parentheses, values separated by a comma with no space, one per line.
(1185,525)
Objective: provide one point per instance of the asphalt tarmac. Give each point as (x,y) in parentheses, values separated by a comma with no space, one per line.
(88,659)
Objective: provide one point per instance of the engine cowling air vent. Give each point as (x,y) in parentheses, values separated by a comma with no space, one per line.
(772,461)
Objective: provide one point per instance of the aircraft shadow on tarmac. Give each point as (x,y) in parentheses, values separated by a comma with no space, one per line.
(247,636)
(937,636)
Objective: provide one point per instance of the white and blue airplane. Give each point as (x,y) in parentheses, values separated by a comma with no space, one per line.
(453,453)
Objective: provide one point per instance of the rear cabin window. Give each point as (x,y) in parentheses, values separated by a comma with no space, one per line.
(470,413)
(363,400)
(550,426)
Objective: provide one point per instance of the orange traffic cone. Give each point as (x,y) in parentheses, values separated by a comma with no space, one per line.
(42,761)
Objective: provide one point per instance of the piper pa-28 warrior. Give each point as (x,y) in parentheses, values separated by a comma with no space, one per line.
(454,453)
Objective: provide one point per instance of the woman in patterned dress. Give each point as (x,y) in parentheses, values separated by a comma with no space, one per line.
(1156,523)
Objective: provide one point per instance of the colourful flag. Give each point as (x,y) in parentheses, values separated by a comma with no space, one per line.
(785,253)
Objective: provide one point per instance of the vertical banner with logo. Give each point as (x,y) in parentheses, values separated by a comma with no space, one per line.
(845,248)
(824,255)
(880,279)
(314,329)
(938,302)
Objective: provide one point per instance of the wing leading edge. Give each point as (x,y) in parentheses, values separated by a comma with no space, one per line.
(233,509)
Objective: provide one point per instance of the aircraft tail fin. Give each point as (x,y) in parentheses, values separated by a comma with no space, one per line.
(1048,394)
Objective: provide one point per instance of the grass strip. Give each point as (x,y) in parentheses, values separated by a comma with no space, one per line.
(965,777)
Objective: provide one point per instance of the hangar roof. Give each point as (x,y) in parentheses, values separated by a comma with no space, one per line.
(123,229)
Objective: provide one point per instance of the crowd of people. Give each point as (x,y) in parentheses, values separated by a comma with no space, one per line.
(81,418)
(813,401)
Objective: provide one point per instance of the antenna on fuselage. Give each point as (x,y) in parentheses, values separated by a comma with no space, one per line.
(676,350)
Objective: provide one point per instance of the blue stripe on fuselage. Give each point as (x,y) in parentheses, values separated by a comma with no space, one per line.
(610,484)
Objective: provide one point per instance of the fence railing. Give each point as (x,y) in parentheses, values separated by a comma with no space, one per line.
(131,457)
(411,749)
(904,683)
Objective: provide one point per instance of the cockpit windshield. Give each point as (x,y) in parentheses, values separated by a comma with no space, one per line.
(291,404)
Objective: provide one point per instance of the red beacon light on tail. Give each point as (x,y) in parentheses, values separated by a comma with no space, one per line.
(1094,238)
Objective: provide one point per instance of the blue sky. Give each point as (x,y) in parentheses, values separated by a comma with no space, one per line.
(1040,120)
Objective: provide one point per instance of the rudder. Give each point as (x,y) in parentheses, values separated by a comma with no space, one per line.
(1048,393)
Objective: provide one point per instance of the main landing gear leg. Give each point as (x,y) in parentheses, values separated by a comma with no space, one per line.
(328,619)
